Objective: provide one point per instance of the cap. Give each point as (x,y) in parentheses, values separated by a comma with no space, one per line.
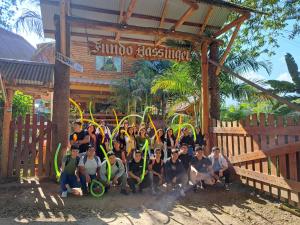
(110,153)
(138,151)
(91,147)
(215,148)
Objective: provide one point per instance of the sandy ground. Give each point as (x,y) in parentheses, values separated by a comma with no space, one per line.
(39,203)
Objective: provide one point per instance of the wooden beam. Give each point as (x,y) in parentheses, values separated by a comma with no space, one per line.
(98,36)
(208,15)
(238,21)
(134,15)
(269,179)
(7,117)
(262,153)
(3,88)
(63,14)
(163,14)
(130,10)
(205,93)
(183,18)
(270,93)
(122,5)
(227,50)
(130,29)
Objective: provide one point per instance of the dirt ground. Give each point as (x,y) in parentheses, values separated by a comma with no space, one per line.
(39,203)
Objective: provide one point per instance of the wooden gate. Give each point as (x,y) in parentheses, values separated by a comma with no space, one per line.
(264,152)
(30,147)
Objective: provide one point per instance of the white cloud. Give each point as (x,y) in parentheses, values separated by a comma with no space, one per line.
(284,77)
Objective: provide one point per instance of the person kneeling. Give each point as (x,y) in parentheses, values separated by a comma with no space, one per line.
(156,171)
(201,169)
(135,171)
(69,176)
(89,168)
(118,175)
(175,172)
(220,166)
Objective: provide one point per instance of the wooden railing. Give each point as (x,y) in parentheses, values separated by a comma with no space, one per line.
(264,152)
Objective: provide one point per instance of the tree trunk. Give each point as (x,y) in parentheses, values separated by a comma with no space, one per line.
(214,88)
(61,104)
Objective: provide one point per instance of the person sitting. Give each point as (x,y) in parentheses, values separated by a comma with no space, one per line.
(156,171)
(89,168)
(80,137)
(201,169)
(185,158)
(135,172)
(188,140)
(70,175)
(175,173)
(119,153)
(220,166)
(157,141)
(200,138)
(141,138)
(118,175)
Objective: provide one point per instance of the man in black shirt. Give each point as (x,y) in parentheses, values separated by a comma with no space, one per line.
(184,157)
(188,140)
(201,169)
(175,172)
(135,172)
(80,137)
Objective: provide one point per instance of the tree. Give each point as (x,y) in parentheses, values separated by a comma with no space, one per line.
(260,32)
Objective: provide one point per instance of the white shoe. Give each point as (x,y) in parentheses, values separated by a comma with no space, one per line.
(69,189)
(64,194)
(182,193)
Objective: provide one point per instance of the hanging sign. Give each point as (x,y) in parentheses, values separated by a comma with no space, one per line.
(69,62)
(138,51)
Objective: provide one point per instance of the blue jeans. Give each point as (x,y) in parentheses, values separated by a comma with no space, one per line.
(83,181)
(71,180)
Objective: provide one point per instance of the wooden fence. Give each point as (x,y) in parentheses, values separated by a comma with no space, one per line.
(30,147)
(264,152)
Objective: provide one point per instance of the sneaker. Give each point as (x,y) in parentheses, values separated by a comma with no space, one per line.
(124,192)
(182,193)
(64,194)
(227,187)
(69,189)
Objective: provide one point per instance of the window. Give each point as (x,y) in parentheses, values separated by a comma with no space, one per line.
(108,63)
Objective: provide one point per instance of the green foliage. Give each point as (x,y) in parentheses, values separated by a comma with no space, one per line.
(260,32)
(22,104)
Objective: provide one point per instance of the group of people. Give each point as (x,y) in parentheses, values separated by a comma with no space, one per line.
(176,162)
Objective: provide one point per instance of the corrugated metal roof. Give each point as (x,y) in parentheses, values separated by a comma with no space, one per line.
(27,72)
(147,13)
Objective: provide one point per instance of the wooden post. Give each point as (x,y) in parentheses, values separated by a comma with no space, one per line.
(214,88)
(61,93)
(7,116)
(205,94)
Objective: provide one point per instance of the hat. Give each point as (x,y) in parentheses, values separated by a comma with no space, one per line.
(91,147)
(174,150)
(138,151)
(110,153)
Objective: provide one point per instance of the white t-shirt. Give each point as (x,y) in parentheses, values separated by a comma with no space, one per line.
(91,165)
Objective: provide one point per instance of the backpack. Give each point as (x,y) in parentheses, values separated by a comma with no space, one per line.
(68,158)
(95,157)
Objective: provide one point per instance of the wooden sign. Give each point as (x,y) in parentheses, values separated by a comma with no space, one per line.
(69,62)
(106,48)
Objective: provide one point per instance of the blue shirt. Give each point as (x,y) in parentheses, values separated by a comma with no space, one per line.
(216,165)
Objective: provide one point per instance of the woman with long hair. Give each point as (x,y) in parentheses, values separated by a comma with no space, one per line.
(170,141)
(157,141)
(130,143)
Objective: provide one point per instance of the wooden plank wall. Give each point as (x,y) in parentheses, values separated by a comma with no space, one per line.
(30,147)
(265,152)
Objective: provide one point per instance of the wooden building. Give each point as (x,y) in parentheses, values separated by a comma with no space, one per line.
(100,74)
